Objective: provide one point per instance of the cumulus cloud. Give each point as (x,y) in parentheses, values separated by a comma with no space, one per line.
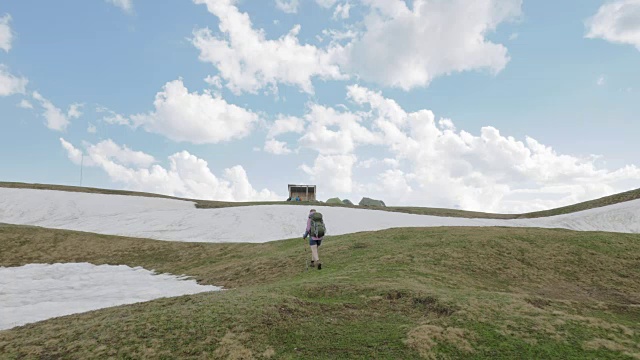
(125,5)
(74,111)
(407,47)
(110,151)
(75,155)
(6,36)
(432,163)
(276,147)
(286,124)
(342,11)
(112,117)
(399,44)
(186,175)
(326,3)
(55,118)
(247,61)
(617,22)
(288,6)
(11,84)
(330,131)
(334,172)
(197,118)
(25,104)
(371,162)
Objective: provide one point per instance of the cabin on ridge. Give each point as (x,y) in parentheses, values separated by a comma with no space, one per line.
(305,192)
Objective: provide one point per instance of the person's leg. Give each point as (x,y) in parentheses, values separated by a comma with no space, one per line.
(314,253)
(313,257)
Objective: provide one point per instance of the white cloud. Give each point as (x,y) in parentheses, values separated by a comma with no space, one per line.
(617,22)
(249,62)
(286,124)
(288,6)
(113,117)
(326,3)
(514,36)
(215,81)
(368,164)
(432,163)
(74,111)
(339,35)
(6,36)
(55,118)
(75,155)
(186,176)
(10,84)
(394,181)
(276,147)
(197,118)
(395,45)
(25,104)
(601,80)
(334,172)
(342,11)
(334,132)
(408,47)
(371,162)
(125,5)
(91,129)
(110,151)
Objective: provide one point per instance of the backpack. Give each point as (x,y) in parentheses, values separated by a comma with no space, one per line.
(317,225)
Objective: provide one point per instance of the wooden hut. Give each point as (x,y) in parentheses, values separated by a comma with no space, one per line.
(304,192)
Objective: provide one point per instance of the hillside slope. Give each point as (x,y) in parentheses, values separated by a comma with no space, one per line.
(177,220)
(208,204)
(474,293)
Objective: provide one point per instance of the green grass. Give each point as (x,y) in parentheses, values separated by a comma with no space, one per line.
(208,204)
(477,293)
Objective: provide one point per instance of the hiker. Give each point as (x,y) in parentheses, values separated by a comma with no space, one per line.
(315,231)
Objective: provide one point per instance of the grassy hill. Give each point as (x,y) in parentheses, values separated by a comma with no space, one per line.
(207,204)
(475,293)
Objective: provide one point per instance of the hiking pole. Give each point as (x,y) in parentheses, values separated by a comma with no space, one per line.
(306,261)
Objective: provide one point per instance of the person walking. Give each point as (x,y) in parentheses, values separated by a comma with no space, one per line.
(315,231)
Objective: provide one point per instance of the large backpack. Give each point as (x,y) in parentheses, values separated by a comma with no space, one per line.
(317,225)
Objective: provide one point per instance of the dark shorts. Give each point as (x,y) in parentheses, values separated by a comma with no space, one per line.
(314,242)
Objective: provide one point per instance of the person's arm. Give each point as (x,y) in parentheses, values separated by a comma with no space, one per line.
(306,233)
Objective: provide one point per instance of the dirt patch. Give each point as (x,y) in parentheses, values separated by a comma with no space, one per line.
(358,245)
(431,304)
(426,337)
(231,348)
(567,291)
(269,353)
(540,303)
(395,295)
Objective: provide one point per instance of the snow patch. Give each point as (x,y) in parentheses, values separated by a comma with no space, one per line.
(38,292)
(177,220)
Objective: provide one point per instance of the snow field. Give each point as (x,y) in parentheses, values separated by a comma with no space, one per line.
(38,292)
(177,220)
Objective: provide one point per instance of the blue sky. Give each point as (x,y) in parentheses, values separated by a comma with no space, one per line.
(492,105)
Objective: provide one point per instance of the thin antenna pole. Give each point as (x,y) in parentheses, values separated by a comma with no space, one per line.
(81,166)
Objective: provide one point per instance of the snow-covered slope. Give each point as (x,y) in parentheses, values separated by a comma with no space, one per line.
(38,292)
(176,220)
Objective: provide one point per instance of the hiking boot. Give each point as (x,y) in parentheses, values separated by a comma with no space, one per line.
(319,266)
(312,264)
